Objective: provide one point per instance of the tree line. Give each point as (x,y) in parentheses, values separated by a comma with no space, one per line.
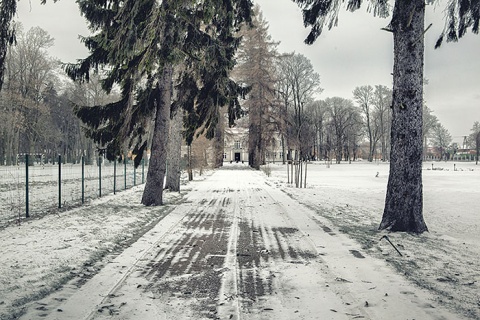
(37,104)
(283,109)
(38,116)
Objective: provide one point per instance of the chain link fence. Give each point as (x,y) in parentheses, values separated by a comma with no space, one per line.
(32,188)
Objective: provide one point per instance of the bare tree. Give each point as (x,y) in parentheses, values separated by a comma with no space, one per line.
(441,139)
(317,112)
(343,117)
(29,74)
(430,122)
(382,101)
(364,97)
(298,84)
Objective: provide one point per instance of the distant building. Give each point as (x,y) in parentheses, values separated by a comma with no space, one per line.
(465,155)
(435,153)
(236,145)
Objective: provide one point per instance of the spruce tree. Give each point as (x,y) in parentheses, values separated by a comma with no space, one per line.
(140,43)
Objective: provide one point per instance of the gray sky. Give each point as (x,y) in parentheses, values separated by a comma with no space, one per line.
(353,54)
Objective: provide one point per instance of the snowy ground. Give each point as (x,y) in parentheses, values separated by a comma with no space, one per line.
(445,260)
(239,245)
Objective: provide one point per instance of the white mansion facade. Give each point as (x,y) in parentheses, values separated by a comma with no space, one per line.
(236,147)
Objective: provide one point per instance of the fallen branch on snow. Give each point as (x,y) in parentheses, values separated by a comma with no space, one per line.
(385,237)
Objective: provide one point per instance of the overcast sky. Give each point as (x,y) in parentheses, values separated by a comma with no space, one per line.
(353,54)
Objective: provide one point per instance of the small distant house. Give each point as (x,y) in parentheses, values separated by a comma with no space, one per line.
(236,145)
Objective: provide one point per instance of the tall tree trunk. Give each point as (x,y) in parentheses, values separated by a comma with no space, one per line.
(175,152)
(153,192)
(219,141)
(8,9)
(305,180)
(403,203)
(254,140)
(189,159)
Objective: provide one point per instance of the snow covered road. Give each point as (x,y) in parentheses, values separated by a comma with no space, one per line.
(240,248)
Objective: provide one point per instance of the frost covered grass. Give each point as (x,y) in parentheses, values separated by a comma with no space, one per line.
(45,194)
(42,255)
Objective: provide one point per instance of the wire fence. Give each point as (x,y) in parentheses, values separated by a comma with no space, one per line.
(33,188)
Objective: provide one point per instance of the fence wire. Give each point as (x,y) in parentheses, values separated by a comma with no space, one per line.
(37,189)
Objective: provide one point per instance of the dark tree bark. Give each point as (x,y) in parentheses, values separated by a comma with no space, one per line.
(153,192)
(403,204)
(219,142)
(254,139)
(7,36)
(174,152)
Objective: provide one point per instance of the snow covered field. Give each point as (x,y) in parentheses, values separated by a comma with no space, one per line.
(45,261)
(446,260)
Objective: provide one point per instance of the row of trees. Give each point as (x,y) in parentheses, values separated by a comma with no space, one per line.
(147,46)
(281,106)
(167,57)
(39,119)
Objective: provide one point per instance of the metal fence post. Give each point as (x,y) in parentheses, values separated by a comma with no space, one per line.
(59,181)
(27,213)
(134,176)
(115,176)
(100,176)
(83,179)
(125,171)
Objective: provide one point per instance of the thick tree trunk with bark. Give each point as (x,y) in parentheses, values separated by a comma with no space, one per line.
(175,152)
(254,139)
(219,142)
(153,192)
(403,204)
(7,12)
(253,160)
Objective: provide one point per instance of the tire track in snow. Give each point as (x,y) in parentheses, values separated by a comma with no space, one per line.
(267,249)
(191,265)
(229,309)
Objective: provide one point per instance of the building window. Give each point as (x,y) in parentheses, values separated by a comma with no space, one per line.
(281,155)
(224,156)
(237,144)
